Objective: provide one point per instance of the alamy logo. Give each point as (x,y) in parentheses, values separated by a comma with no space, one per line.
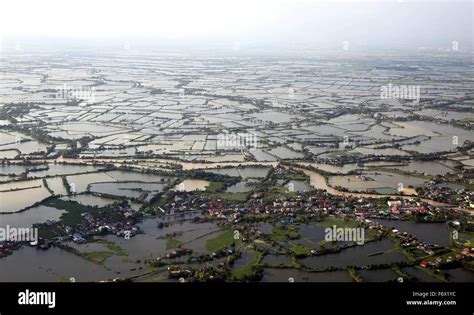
(356,235)
(72,93)
(400,92)
(237,140)
(37,298)
(13,234)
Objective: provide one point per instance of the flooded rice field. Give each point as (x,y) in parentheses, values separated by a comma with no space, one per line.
(357,256)
(433,233)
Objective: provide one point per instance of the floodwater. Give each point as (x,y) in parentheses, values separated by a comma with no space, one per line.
(90,200)
(460,275)
(245,258)
(373,180)
(335,169)
(54,264)
(244,172)
(357,255)
(284,275)
(276,260)
(379,275)
(420,274)
(17,200)
(30,264)
(429,167)
(312,233)
(62,169)
(56,184)
(297,186)
(125,189)
(433,233)
(319,182)
(242,186)
(38,214)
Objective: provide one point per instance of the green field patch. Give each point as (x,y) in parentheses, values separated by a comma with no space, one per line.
(468,238)
(116,249)
(215,187)
(329,222)
(224,240)
(74,210)
(299,250)
(97,257)
(248,270)
(229,196)
(173,243)
(50,232)
(282,234)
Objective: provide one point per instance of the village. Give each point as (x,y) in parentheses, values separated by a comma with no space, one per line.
(232,177)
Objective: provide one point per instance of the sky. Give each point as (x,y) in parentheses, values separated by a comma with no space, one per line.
(315,23)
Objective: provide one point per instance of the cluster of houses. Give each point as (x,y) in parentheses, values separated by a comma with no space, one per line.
(179,272)
(399,209)
(407,207)
(7,248)
(442,193)
(123,225)
(317,202)
(464,254)
(91,225)
(192,258)
(178,253)
(303,201)
(409,241)
(207,272)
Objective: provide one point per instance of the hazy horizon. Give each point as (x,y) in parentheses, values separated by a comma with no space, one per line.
(394,24)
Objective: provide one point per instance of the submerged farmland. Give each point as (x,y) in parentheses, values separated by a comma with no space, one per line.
(187,168)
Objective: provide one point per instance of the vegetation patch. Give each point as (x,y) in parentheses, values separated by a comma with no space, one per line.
(173,243)
(300,250)
(74,210)
(329,222)
(215,187)
(282,234)
(249,271)
(116,249)
(224,240)
(97,257)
